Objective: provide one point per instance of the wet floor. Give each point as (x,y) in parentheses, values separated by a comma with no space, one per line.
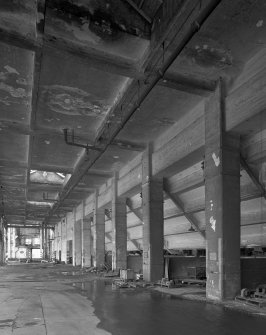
(42,299)
(147,312)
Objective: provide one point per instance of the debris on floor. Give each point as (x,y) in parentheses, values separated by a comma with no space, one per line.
(139,276)
(255,297)
(112,273)
(127,274)
(180,282)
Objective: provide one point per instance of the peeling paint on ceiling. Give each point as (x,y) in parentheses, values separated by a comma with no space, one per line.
(209,55)
(72,101)
(10,82)
(46,177)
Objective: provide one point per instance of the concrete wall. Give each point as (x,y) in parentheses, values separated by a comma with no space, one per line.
(253,272)
(134,263)
(178,265)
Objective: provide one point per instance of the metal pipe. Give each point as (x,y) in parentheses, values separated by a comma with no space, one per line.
(72,142)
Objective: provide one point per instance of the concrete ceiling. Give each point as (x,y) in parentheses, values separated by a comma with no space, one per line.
(85,66)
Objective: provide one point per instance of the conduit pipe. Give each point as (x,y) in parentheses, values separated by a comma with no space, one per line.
(73,143)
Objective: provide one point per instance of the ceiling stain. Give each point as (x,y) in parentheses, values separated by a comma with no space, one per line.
(72,101)
(11,69)
(14,92)
(104,20)
(10,83)
(208,56)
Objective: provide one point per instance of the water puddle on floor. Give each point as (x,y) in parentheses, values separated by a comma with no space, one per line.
(146,312)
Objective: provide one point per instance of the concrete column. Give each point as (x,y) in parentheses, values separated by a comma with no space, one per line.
(119,229)
(222,201)
(78,242)
(42,240)
(152,206)
(13,243)
(45,242)
(9,242)
(59,241)
(86,242)
(64,241)
(98,234)
(2,244)
(70,237)
(85,239)
(74,239)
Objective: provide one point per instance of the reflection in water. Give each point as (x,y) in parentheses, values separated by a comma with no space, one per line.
(147,312)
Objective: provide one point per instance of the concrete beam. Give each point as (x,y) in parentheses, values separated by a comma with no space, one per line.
(247,100)
(38,56)
(51,168)
(27,226)
(134,211)
(89,56)
(184,148)
(108,214)
(188,18)
(139,11)
(13,163)
(135,243)
(127,145)
(182,83)
(253,176)
(109,217)
(128,184)
(189,216)
(108,234)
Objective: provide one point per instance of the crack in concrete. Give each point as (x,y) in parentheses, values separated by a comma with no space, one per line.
(43,314)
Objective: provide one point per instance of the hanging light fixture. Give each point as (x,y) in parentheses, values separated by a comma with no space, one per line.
(191,229)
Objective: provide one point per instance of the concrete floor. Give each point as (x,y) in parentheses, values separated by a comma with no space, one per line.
(37,299)
(34,300)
